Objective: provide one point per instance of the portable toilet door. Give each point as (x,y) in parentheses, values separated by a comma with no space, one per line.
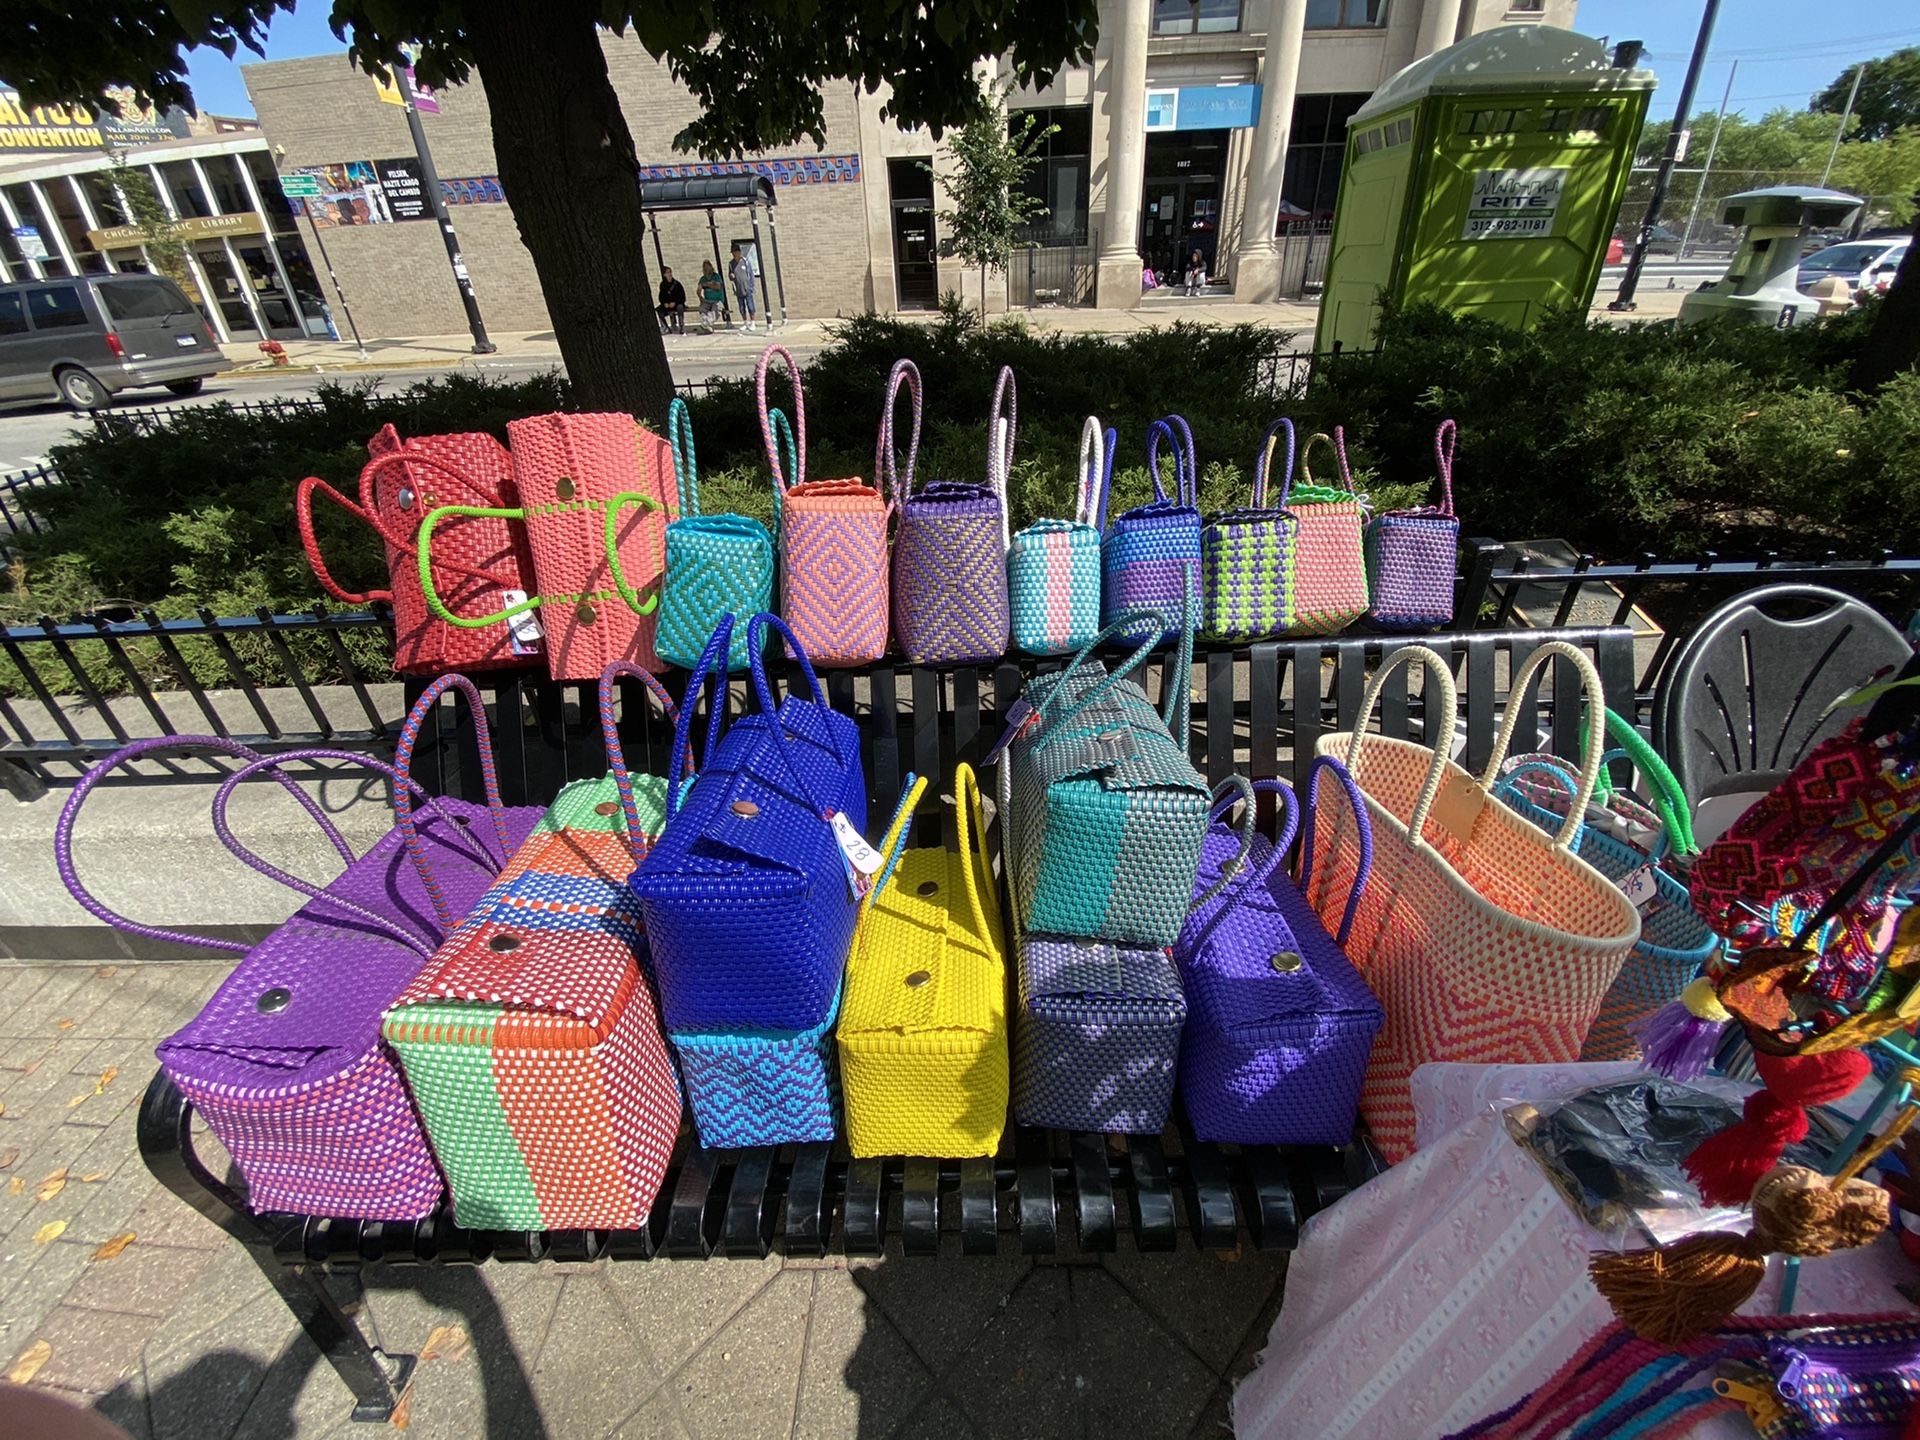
(1486,179)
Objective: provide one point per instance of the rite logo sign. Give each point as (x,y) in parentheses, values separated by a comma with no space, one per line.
(1514,204)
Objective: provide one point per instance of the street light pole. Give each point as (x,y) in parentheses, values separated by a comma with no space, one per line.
(1713,148)
(1853,93)
(430,182)
(1664,176)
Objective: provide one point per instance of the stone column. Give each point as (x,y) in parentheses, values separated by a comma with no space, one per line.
(1439,22)
(1117,285)
(1256,273)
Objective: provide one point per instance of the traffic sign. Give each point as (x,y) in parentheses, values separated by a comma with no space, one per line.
(300,186)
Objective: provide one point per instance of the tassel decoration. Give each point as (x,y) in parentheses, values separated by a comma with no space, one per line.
(1727,1166)
(1680,1040)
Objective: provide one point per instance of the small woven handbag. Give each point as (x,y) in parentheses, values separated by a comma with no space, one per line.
(1486,941)
(1246,580)
(749,908)
(1413,555)
(530,1041)
(1151,556)
(717,565)
(950,554)
(1329,549)
(923,1032)
(1109,808)
(1279,1024)
(285,1062)
(1053,566)
(482,560)
(833,544)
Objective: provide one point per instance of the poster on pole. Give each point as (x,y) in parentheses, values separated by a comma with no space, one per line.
(1514,204)
(404,187)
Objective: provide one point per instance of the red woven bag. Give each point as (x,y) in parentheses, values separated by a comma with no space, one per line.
(478,560)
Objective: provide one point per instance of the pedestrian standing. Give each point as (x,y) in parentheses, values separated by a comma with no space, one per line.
(740,271)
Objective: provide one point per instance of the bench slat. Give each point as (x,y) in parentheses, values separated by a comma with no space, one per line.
(865,1208)
(687,1235)
(1033,1166)
(808,1212)
(1093,1192)
(920,1206)
(1151,1197)
(748,1230)
(979,1208)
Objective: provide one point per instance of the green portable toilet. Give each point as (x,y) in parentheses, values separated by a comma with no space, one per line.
(1485,179)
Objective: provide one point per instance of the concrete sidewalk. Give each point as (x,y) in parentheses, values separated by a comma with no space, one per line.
(734,348)
(115,1294)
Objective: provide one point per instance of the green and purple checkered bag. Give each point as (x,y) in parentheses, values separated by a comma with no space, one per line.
(1246,583)
(1053,566)
(1151,555)
(1412,554)
(1109,812)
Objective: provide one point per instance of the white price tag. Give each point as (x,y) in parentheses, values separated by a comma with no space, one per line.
(1640,887)
(860,855)
(523,630)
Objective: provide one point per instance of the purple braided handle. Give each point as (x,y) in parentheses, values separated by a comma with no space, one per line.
(222,796)
(610,733)
(1266,453)
(70,812)
(1154,432)
(799,418)
(763,692)
(403,762)
(1444,440)
(1289,820)
(1359,804)
(1340,457)
(710,666)
(885,470)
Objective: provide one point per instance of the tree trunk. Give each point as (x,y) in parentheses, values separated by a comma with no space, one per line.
(568,168)
(1893,344)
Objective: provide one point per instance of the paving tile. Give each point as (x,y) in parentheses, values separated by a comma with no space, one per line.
(939,1420)
(140,1280)
(92,1352)
(858,1376)
(162,1218)
(676,1306)
(657,1419)
(1215,1422)
(940,1306)
(742,1385)
(66,996)
(126,1406)
(1206,1301)
(1131,1373)
(590,1366)
(34,1279)
(1018,1377)
(20,983)
(204,1393)
(17,1052)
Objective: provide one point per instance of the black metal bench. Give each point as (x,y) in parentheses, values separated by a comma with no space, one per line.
(1051,1190)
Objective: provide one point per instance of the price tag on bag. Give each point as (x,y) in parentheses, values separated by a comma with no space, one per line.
(1641,888)
(1019,716)
(524,634)
(859,859)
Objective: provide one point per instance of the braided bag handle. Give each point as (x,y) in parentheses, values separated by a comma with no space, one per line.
(885,458)
(489,777)
(1096,473)
(711,666)
(781,479)
(1002,420)
(1358,804)
(1263,468)
(310,542)
(610,735)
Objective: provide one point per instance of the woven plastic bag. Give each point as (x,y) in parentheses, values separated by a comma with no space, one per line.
(1246,574)
(1413,555)
(717,565)
(1486,940)
(481,560)
(285,1062)
(1151,556)
(833,544)
(950,552)
(1329,550)
(1053,566)
(531,1041)
(749,909)
(923,1031)
(1279,1024)
(1110,810)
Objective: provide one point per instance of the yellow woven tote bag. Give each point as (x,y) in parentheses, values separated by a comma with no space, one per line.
(923,1028)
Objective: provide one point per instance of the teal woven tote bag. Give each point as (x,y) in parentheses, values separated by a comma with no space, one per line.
(717,565)
(1053,566)
(1246,577)
(1109,813)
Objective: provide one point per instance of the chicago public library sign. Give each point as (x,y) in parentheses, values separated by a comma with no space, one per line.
(197,227)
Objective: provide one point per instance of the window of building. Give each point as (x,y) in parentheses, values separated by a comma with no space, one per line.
(1315,150)
(1532,7)
(56,307)
(1346,14)
(1059,179)
(13,319)
(1195,17)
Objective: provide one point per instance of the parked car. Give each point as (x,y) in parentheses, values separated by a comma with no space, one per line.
(84,339)
(1867,266)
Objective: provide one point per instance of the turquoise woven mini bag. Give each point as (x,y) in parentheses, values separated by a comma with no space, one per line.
(1109,813)
(1053,566)
(717,565)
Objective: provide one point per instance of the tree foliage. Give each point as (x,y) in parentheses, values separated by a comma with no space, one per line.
(1791,147)
(991,163)
(1889,98)
(146,212)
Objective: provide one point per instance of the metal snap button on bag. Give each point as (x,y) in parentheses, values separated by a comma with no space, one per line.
(563,488)
(502,943)
(271,1002)
(607,807)
(745,809)
(1286,962)
(917,979)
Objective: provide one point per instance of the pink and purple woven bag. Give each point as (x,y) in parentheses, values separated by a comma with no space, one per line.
(1412,555)
(950,555)
(285,1062)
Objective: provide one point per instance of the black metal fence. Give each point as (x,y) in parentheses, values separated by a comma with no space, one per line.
(16,512)
(1053,270)
(1304,247)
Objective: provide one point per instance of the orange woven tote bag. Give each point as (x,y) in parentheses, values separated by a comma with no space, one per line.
(1486,939)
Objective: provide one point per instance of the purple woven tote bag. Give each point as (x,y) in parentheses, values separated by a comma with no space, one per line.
(285,1061)
(950,555)
(1279,1025)
(1151,556)
(1412,555)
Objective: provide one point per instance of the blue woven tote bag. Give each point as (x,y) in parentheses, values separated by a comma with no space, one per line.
(762,1086)
(1151,556)
(1108,810)
(748,906)
(717,565)
(1053,566)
